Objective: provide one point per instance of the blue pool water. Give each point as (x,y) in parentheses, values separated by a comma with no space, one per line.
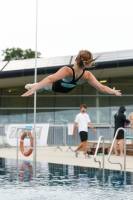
(22,180)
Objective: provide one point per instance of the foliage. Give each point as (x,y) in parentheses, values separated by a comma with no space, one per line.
(18,54)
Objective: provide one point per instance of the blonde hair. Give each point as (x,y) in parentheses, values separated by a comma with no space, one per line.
(84,58)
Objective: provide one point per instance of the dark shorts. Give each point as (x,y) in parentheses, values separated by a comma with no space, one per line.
(120,135)
(83,136)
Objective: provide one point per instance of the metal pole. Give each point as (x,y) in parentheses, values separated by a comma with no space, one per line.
(103,152)
(124,151)
(35,80)
(124,158)
(97,151)
(3,135)
(64,135)
(17,152)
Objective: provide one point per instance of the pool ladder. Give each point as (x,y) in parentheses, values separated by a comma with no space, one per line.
(101,137)
(124,149)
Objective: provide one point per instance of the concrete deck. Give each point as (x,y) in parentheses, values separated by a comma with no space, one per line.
(47,154)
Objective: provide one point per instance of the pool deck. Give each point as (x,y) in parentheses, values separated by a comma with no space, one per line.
(48,154)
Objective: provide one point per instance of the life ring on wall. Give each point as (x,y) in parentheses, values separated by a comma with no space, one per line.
(29,151)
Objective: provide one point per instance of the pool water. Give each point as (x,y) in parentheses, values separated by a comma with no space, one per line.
(24,180)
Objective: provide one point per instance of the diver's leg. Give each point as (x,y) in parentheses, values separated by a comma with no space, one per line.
(48,87)
(29,86)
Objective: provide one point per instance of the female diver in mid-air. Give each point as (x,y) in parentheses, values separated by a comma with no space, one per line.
(66,78)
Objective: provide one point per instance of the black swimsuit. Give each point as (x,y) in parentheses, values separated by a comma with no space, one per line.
(58,85)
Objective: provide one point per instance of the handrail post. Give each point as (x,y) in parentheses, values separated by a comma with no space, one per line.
(101,137)
(64,135)
(17,152)
(124,148)
(103,152)
(3,134)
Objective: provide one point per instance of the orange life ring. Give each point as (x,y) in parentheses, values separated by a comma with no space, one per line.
(29,151)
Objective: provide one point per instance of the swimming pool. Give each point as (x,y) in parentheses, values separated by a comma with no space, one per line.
(57,181)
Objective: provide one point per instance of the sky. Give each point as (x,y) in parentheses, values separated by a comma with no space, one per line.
(64,27)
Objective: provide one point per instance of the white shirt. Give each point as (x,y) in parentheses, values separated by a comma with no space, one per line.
(82,119)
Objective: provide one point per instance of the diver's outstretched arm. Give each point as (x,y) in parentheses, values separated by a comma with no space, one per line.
(102,88)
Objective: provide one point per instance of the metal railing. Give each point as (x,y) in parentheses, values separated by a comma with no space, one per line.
(129,133)
(101,137)
(1,135)
(60,135)
(3,142)
(124,149)
(57,135)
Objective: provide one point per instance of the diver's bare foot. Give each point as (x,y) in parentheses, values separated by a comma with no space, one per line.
(122,155)
(30,86)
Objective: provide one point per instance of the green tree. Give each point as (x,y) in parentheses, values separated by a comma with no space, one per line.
(28,53)
(18,54)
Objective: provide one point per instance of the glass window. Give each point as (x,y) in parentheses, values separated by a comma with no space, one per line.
(13,91)
(63,108)
(88,89)
(92,112)
(66,116)
(12,116)
(125,84)
(123,100)
(103,101)
(69,101)
(90,101)
(10,102)
(41,101)
(42,116)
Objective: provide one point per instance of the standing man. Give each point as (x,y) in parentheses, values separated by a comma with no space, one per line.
(82,120)
(120,121)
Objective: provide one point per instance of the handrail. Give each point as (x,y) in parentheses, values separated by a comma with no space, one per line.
(60,124)
(2,145)
(124,149)
(97,151)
